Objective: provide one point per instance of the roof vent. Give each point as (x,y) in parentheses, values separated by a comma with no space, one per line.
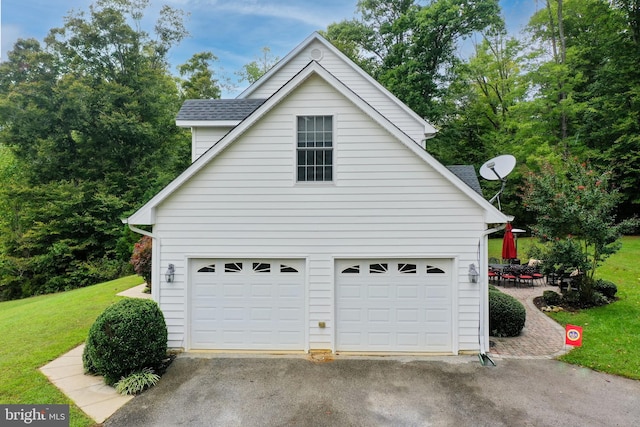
(316,54)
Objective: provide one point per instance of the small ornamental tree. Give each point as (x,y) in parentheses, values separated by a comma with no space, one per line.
(575,216)
(141,259)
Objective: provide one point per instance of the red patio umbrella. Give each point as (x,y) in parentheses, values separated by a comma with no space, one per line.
(508,244)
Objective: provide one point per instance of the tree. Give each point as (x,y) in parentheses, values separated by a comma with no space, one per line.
(255,69)
(411,48)
(200,82)
(89,122)
(575,218)
(587,101)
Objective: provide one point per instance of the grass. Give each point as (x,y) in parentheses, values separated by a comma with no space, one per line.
(611,338)
(37,330)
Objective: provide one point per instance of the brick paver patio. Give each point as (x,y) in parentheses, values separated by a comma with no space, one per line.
(541,338)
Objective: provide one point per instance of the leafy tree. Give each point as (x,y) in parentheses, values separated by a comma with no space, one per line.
(200,82)
(89,120)
(255,69)
(587,98)
(575,213)
(411,48)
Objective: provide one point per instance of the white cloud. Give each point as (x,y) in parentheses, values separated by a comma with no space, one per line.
(313,13)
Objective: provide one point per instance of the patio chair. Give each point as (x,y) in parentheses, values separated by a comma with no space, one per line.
(508,275)
(526,276)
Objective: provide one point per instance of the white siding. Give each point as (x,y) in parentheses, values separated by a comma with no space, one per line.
(204,138)
(356,82)
(384,202)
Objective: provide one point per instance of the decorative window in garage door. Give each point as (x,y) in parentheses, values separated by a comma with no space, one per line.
(407,268)
(287,269)
(261,267)
(208,269)
(434,270)
(233,267)
(354,269)
(378,268)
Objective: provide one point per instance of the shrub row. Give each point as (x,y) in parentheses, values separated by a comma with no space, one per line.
(507,315)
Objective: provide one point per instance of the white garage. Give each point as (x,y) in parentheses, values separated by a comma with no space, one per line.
(394,305)
(247,304)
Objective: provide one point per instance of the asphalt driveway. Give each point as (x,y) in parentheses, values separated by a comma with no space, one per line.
(453,391)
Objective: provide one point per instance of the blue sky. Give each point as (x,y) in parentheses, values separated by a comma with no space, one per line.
(234,30)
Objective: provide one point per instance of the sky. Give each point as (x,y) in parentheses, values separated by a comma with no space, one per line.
(234,30)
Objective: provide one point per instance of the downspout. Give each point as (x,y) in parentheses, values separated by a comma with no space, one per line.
(484,289)
(155,248)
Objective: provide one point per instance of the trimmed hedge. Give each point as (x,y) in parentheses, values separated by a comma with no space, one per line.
(551,298)
(506,315)
(127,337)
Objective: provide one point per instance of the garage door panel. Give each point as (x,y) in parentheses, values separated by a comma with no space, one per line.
(407,291)
(248,305)
(262,290)
(408,315)
(290,314)
(402,305)
(379,315)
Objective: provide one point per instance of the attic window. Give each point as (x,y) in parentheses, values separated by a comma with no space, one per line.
(315,148)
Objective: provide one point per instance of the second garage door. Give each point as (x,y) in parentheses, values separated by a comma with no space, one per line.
(394,305)
(247,304)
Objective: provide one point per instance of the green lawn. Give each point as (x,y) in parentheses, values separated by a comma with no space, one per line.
(37,330)
(611,334)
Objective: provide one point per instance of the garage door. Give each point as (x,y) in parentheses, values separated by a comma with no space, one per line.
(247,304)
(394,305)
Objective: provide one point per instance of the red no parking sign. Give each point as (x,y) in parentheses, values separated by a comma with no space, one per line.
(573,335)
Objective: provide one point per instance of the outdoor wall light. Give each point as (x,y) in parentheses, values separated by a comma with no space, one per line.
(473,273)
(171,272)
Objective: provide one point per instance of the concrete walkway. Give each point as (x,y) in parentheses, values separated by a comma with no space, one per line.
(541,338)
(90,393)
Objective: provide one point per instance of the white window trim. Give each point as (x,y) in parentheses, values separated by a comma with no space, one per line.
(314,112)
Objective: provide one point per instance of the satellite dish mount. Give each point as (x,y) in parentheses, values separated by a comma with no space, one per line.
(497,169)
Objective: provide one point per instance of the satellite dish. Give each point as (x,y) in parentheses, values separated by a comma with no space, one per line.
(497,169)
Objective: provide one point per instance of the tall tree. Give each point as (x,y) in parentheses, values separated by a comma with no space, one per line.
(255,69)
(200,82)
(89,119)
(411,47)
(596,88)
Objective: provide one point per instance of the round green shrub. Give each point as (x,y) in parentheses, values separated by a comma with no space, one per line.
(551,298)
(127,337)
(598,299)
(606,288)
(506,315)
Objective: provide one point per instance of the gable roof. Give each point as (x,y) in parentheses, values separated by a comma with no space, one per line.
(467,173)
(429,129)
(146,214)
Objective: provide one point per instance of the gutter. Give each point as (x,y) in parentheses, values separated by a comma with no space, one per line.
(484,291)
(155,251)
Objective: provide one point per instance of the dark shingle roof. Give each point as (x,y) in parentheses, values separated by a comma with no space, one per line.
(218,109)
(467,174)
